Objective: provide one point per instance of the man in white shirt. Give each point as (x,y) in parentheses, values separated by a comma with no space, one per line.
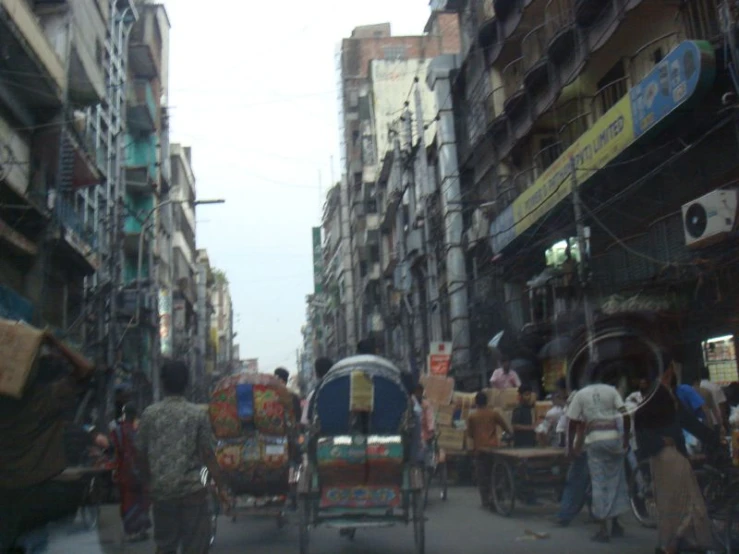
(603,428)
(504,377)
(719,398)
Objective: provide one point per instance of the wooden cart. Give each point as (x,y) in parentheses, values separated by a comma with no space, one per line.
(520,472)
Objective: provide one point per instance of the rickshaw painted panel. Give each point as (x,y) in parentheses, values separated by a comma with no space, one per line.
(224,415)
(269,411)
(332,407)
(360,497)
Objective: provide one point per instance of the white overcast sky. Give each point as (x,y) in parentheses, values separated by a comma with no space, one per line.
(253,91)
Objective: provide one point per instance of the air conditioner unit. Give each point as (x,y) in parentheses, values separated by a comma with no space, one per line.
(710,218)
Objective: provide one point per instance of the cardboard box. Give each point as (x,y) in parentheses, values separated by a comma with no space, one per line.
(445,415)
(508,399)
(439,390)
(452,439)
(19,348)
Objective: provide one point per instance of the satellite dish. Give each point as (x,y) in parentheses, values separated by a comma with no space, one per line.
(696,220)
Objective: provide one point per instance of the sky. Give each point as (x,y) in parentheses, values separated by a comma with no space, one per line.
(252,89)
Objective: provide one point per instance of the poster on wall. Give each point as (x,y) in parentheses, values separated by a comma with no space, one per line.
(440,358)
(165,321)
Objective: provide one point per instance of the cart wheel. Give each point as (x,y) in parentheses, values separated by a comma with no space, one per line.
(641,495)
(444,481)
(304,522)
(504,488)
(419,523)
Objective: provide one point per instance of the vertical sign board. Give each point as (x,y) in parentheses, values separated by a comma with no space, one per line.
(317,261)
(440,358)
(165,321)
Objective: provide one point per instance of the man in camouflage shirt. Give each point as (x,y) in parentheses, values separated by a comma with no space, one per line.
(175,441)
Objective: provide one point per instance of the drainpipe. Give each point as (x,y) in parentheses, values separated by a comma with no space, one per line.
(348,268)
(438,80)
(427,188)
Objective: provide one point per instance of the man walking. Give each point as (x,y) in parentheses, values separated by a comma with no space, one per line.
(174,442)
(482,430)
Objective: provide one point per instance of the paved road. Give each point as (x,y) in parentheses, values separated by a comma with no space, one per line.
(458,525)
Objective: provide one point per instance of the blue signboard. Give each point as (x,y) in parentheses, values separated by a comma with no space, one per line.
(672,81)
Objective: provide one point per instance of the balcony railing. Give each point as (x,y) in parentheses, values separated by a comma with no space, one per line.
(558,15)
(650,54)
(608,95)
(145,46)
(506,192)
(71,218)
(476,114)
(513,77)
(701,19)
(547,156)
(495,104)
(524,179)
(142,107)
(534,46)
(573,129)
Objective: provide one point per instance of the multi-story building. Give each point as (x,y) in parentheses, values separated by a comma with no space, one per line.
(183,194)
(206,341)
(146,190)
(52,164)
(222,322)
(586,130)
(338,340)
(376,72)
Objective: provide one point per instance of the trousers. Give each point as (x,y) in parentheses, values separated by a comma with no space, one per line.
(182,522)
(576,487)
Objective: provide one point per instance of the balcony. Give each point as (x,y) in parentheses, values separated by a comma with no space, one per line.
(141,164)
(142,108)
(145,44)
(506,192)
(643,60)
(701,20)
(77,235)
(535,62)
(561,30)
(547,156)
(587,12)
(524,179)
(38,74)
(573,129)
(513,84)
(607,96)
(414,244)
(477,117)
(86,72)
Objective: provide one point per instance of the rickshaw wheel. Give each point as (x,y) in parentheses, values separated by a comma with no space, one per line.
(419,523)
(444,481)
(504,488)
(304,521)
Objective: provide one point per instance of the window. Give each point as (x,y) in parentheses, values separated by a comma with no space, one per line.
(658,55)
(394,52)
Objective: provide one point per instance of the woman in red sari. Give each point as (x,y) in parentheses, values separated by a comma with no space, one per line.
(135,501)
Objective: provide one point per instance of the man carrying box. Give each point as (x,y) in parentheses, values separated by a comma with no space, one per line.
(482,430)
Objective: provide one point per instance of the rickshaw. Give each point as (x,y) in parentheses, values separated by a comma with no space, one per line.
(359,471)
(255,429)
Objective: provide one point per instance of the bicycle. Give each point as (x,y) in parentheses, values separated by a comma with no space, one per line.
(721,493)
(436,467)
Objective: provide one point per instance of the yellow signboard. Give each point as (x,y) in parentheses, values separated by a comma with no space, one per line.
(595,148)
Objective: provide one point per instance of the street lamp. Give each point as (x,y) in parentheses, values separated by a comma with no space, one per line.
(144,224)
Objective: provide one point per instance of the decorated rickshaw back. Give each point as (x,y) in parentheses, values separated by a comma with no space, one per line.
(361,408)
(253,422)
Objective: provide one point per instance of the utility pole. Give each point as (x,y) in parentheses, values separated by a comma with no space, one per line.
(582,246)
(427,189)
(410,182)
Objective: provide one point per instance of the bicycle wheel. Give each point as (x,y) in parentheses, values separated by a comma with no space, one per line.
(90,508)
(641,495)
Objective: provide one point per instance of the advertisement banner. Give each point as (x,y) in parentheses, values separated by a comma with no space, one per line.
(687,70)
(165,321)
(317,261)
(440,358)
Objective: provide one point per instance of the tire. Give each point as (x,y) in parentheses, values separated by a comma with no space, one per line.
(419,523)
(444,481)
(504,488)
(304,522)
(642,498)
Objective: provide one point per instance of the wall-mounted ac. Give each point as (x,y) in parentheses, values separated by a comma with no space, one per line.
(710,218)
